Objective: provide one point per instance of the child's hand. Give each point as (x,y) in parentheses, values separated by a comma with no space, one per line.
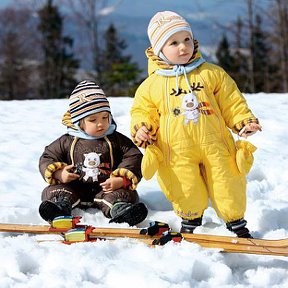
(250,129)
(64,175)
(143,135)
(112,184)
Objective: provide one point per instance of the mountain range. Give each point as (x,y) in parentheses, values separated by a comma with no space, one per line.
(209,20)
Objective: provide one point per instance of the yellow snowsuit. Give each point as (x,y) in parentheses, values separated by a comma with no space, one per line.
(193,149)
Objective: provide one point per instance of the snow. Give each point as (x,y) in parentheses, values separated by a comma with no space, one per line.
(27,126)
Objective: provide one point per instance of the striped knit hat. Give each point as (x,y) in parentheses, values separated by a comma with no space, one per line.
(162,26)
(87,98)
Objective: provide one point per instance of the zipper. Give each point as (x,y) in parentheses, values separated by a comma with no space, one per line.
(168,154)
(220,125)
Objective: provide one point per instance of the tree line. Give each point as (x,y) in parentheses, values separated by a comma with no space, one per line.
(37,58)
(256,55)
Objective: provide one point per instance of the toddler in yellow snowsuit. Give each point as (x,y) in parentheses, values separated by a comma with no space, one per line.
(181,114)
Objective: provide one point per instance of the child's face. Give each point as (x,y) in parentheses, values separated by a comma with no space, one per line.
(178,49)
(96,124)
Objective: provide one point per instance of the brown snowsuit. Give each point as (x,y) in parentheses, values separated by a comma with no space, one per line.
(114,155)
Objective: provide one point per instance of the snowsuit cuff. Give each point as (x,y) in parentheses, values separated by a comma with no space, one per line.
(125,173)
(238,126)
(51,168)
(152,132)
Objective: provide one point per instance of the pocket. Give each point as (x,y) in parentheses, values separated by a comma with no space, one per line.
(244,156)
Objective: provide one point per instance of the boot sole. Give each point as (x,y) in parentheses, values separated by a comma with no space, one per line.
(134,215)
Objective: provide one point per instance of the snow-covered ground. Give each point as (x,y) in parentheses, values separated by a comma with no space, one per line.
(27,126)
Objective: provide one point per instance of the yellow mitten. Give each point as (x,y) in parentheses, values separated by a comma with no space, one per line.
(150,162)
(244,156)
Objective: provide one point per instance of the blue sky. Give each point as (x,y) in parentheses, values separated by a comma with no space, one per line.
(209,9)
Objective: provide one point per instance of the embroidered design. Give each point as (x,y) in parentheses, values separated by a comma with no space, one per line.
(176,111)
(196,88)
(83,98)
(192,108)
(204,108)
(163,20)
(193,87)
(91,166)
(189,214)
(104,168)
(179,92)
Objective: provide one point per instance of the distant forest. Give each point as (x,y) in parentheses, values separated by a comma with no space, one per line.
(38,60)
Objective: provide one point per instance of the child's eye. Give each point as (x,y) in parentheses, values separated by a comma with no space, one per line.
(92,119)
(187,39)
(173,43)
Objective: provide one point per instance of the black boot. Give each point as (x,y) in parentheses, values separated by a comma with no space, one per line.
(58,206)
(188,226)
(238,227)
(123,212)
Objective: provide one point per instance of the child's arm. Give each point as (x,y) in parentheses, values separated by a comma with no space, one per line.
(144,117)
(65,175)
(55,157)
(143,135)
(250,129)
(127,162)
(233,106)
(112,184)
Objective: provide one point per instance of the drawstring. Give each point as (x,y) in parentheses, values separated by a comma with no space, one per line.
(179,70)
(177,82)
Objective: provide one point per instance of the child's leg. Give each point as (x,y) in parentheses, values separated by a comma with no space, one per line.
(238,227)
(183,184)
(227,189)
(122,206)
(185,187)
(188,226)
(226,186)
(57,200)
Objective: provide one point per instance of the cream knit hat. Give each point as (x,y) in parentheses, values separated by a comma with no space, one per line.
(162,26)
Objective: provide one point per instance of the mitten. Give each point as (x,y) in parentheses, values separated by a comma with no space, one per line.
(150,162)
(244,156)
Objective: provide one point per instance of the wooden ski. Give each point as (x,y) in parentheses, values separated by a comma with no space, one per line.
(153,236)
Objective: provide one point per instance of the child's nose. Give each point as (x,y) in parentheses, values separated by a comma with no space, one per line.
(182,46)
